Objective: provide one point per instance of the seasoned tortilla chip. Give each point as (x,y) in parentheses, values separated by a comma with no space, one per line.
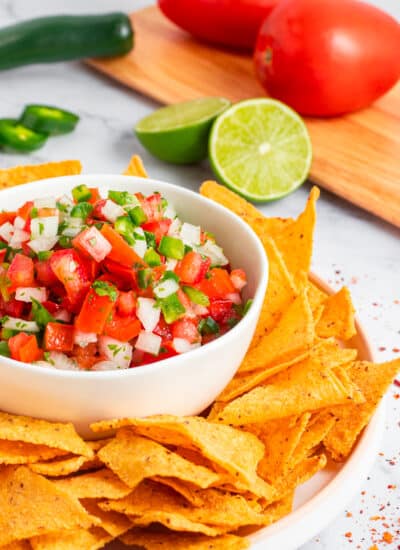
(101,484)
(151,540)
(280,438)
(136,168)
(17,545)
(60,467)
(373,380)
(337,319)
(25,174)
(300,474)
(74,539)
(292,336)
(219,508)
(317,428)
(236,452)
(114,523)
(307,386)
(31,505)
(134,458)
(190,492)
(278,509)
(19,452)
(316,296)
(41,432)
(175,522)
(281,292)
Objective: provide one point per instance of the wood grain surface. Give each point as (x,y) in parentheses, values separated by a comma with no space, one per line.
(356,156)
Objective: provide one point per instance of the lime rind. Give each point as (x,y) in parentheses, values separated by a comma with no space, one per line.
(261,149)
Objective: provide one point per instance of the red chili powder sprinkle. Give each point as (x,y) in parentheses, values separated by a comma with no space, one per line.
(392,486)
(397,396)
(349,515)
(397,383)
(396,350)
(387,537)
(381,348)
(374,547)
(348,535)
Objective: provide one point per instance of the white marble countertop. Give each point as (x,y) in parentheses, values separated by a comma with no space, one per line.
(352,247)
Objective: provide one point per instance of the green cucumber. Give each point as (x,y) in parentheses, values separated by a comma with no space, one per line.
(65,37)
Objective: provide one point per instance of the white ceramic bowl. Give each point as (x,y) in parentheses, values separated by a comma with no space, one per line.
(182,385)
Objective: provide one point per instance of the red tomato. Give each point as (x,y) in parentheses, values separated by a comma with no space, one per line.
(25,210)
(91,242)
(126,303)
(71,271)
(44,274)
(86,356)
(227,22)
(159,228)
(94,313)
(187,329)
(218,284)
(325,58)
(192,268)
(58,337)
(121,252)
(7,217)
(24,348)
(221,310)
(13,307)
(152,207)
(21,272)
(123,328)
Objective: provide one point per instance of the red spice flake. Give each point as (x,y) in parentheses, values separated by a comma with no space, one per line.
(375,304)
(397,383)
(387,537)
(374,547)
(396,350)
(397,396)
(376,518)
(397,302)
(392,486)
(348,535)
(382,348)
(363,493)
(354,280)
(349,515)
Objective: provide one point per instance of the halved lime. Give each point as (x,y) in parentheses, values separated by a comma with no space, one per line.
(261,149)
(179,133)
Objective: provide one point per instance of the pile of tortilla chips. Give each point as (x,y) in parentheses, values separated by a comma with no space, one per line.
(300,397)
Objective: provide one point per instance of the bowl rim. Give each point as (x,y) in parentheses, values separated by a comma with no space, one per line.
(151,368)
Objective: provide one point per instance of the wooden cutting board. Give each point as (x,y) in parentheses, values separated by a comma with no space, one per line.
(356,156)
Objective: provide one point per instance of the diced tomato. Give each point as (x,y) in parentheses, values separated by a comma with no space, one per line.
(152,207)
(222,310)
(98,209)
(91,242)
(95,195)
(51,307)
(71,271)
(44,274)
(123,277)
(184,300)
(126,303)
(3,252)
(86,356)
(25,211)
(218,284)
(122,328)
(121,252)
(192,268)
(59,337)
(159,228)
(141,358)
(7,217)
(21,272)
(158,272)
(24,347)
(12,307)
(94,313)
(238,278)
(187,329)
(92,267)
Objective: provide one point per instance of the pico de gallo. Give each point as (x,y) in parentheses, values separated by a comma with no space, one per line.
(94,283)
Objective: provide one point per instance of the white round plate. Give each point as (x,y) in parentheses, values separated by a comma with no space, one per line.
(326,495)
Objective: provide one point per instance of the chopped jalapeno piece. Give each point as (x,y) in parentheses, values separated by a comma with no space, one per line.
(8,333)
(40,314)
(49,120)
(196,296)
(4,349)
(172,247)
(18,138)
(150,239)
(33,213)
(81,210)
(137,215)
(144,278)
(247,306)
(172,308)
(208,326)
(45,255)
(123,198)
(65,242)
(152,258)
(124,226)
(81,193)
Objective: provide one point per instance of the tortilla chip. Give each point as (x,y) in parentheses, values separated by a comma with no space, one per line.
(31,505)
(292,336)
(101,484)
(134,458)
(73,539)
(151,502)
(25,174)
(306,386)
(41,432)
(113,523)
(280,438)
(136,168)
(373,380)
(281,292)
(278,509)
(189,491)
(316,296)
(19,452)
(60,467)
(236,452)
(175,522)
(337,317)
(152,540)
(17,545)
(317,428)
(300,474)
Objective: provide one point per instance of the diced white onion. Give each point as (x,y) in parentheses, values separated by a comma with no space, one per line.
(26,294)
(148,342)
(6,231)
(237,281)
(214,252)
(44,227)
(199,310)
(181,345)
(105,365)
(234,297)
(14,323)
(171,264)
(166,288)
(43,364)
(116,351)
(174,228)
(61,361)
(190,234)
(62,315)
(18,238)
(83,339)
(111,211)
(169,212)
(43,244)
(148,313)
(45,202)
(19,223)
(140,247)
(72,231)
